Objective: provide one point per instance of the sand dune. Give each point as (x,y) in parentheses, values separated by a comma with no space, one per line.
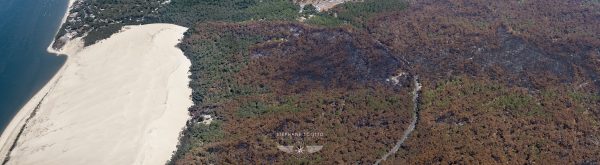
(123,100)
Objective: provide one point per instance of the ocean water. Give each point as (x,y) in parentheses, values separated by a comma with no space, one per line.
(26,29)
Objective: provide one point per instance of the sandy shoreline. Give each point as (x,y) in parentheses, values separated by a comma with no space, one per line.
(64,19)
(13,128)
(121,101)
(55,125)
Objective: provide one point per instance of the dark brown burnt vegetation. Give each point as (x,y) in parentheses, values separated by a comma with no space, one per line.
(526,43)
(478,121)
(503,82)
(322,58)
(282,77)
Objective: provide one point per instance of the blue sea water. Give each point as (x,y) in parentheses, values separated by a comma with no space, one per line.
(27,27)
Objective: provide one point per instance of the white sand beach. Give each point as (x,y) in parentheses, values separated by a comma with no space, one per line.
(123,100)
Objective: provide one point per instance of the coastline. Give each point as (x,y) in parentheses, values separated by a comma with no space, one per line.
(64,19)
(130,112)
(23,141)
(12,130)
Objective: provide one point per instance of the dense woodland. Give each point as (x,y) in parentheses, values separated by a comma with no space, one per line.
(264,78)
(95,20)
(503,81)
(99,19)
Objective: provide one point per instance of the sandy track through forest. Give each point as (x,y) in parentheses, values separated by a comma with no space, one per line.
(413,123)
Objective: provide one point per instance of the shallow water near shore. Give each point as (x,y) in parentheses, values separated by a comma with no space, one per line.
(26,30)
